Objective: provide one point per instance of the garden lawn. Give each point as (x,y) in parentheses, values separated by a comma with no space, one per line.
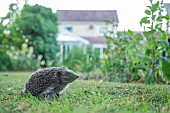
(85,97)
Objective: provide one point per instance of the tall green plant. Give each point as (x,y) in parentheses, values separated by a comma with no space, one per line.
(156,39)
(126,55)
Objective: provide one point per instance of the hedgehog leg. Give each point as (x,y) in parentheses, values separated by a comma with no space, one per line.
(53,94)
(23,92)
(47,91)
(50,91)
(62,92)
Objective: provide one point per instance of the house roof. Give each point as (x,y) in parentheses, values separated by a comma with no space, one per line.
(88,15)
(96,40)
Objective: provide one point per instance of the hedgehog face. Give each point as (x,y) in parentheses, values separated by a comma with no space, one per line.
(71,75)
(68,75)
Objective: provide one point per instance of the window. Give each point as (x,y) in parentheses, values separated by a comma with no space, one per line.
(103,31)
(91,27)
(70,29)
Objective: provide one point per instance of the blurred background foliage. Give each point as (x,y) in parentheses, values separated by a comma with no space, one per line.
(82,59)
(28,42)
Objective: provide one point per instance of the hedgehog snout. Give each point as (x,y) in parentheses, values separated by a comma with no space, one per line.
(71,76)
(76,76)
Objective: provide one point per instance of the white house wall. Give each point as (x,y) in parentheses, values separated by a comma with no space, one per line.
(82,28)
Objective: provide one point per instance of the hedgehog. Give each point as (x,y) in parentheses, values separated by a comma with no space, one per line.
(49,81)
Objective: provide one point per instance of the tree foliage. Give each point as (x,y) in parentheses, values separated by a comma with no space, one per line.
(38,28)
(29,34)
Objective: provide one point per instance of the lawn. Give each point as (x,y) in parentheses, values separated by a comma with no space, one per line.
(85,97)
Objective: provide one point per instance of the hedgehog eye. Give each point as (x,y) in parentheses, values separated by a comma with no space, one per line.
(59,73)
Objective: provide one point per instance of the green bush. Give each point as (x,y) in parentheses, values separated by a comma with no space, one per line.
(18,60)
(24,63)
(122,53)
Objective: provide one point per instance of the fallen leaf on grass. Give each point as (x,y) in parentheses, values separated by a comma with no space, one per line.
(140,91)
(21,107)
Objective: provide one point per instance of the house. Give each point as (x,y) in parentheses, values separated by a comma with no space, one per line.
(85,27)
(167,7)
(68,40)
(87,23)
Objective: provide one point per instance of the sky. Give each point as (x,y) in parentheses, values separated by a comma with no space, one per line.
(129,11)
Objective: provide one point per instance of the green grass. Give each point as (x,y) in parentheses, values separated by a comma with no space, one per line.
(85,97)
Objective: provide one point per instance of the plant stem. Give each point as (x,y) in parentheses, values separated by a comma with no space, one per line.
(153,62)
(154,47)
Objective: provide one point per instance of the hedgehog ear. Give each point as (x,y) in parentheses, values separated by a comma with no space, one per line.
(64,70)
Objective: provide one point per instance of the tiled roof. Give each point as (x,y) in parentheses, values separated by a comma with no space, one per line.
(88,15)
(99,40)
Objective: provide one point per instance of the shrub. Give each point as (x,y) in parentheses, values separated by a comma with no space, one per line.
(23,60)
(122,57)
(5,61)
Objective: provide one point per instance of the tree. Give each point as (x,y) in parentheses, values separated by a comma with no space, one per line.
(37,27)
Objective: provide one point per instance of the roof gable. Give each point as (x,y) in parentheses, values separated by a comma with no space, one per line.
(88,15)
